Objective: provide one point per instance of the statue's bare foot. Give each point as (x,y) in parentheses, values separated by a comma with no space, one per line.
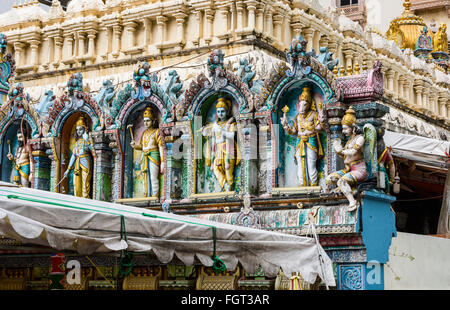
(353,206)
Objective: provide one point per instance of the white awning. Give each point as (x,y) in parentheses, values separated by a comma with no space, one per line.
(428,151)
(88,226)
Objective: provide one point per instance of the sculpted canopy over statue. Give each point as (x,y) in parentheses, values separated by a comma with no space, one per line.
(81,160)
(21,162)
(307,125)
(222,151)
(152,163)
(355,167)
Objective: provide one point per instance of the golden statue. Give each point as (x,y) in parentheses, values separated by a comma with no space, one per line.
(81,160)
(307,125)
(21,162)
(222,151)
(394,33)
(440,42)
(152,162)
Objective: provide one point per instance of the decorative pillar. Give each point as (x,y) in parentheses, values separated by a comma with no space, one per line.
(251,8)
(401,83)
(419,90)
(390,80)
(268,31)
(42,165)
(68,38)
(34,45)
(248,145)
(324,41)
(309,36)
(199,29)
(147,32)
(103,169)
(209,26)
(81,41)
(161,30)
(180,18)
(442,100)
(49,42)
(333,46)
(130,27)
(223,21)
(348,54)
(18,47)
(260,18)
(335,114)
(277,22)
(407,92)
(117,32)
(58,51)
(91,44)
(240,16)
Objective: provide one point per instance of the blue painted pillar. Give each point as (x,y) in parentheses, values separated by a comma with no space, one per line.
(376,223)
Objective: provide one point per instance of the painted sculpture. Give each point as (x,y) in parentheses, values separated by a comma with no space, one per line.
(222,151)
(307,125)
(81,160)
(152,160)
(355,167)
(21,161)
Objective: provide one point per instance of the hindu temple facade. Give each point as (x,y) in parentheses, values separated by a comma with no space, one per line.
(265,114)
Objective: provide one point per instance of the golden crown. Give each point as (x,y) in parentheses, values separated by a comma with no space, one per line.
(306,94)
(349,118)
(81,122)
(148,113)
(223,103)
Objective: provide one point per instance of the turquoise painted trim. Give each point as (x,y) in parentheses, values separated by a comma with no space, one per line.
(377,225)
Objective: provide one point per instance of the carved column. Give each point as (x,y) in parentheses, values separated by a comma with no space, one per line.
(91,45)
(209,26)
(180,18)
(81,41)
(103,170)
(390,80)
(335,114)
(269,23)
(58,51)
(130,28)
(68,38)
(223,34)
(442,100)
(247,135)
(18,47)
(407,92)
(34,45)
(251,8)
(348,54)
(260,18)
(419,91)
(199,27)
(333,46)
(42,165)
(309,36)
(161,31)
(240,16)
(147,32)
(324,41)
(116,48)
(50,52)
(401,83)
(277,22)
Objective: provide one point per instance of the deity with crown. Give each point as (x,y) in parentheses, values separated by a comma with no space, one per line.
(152,158)
(81,160)
(355,170)
(307,125)
(222,151)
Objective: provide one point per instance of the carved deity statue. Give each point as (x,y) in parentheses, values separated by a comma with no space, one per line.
(440,43)
(355,167)
(395,34)
(81,160)
(21,162)
(222,151)
(152,158)
(307,125)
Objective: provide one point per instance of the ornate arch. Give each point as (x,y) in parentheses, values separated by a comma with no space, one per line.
(223,81)
(75,100)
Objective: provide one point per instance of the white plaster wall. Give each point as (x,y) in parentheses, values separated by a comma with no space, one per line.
(418,262)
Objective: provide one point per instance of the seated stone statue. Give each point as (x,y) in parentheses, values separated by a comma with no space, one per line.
(355,167)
